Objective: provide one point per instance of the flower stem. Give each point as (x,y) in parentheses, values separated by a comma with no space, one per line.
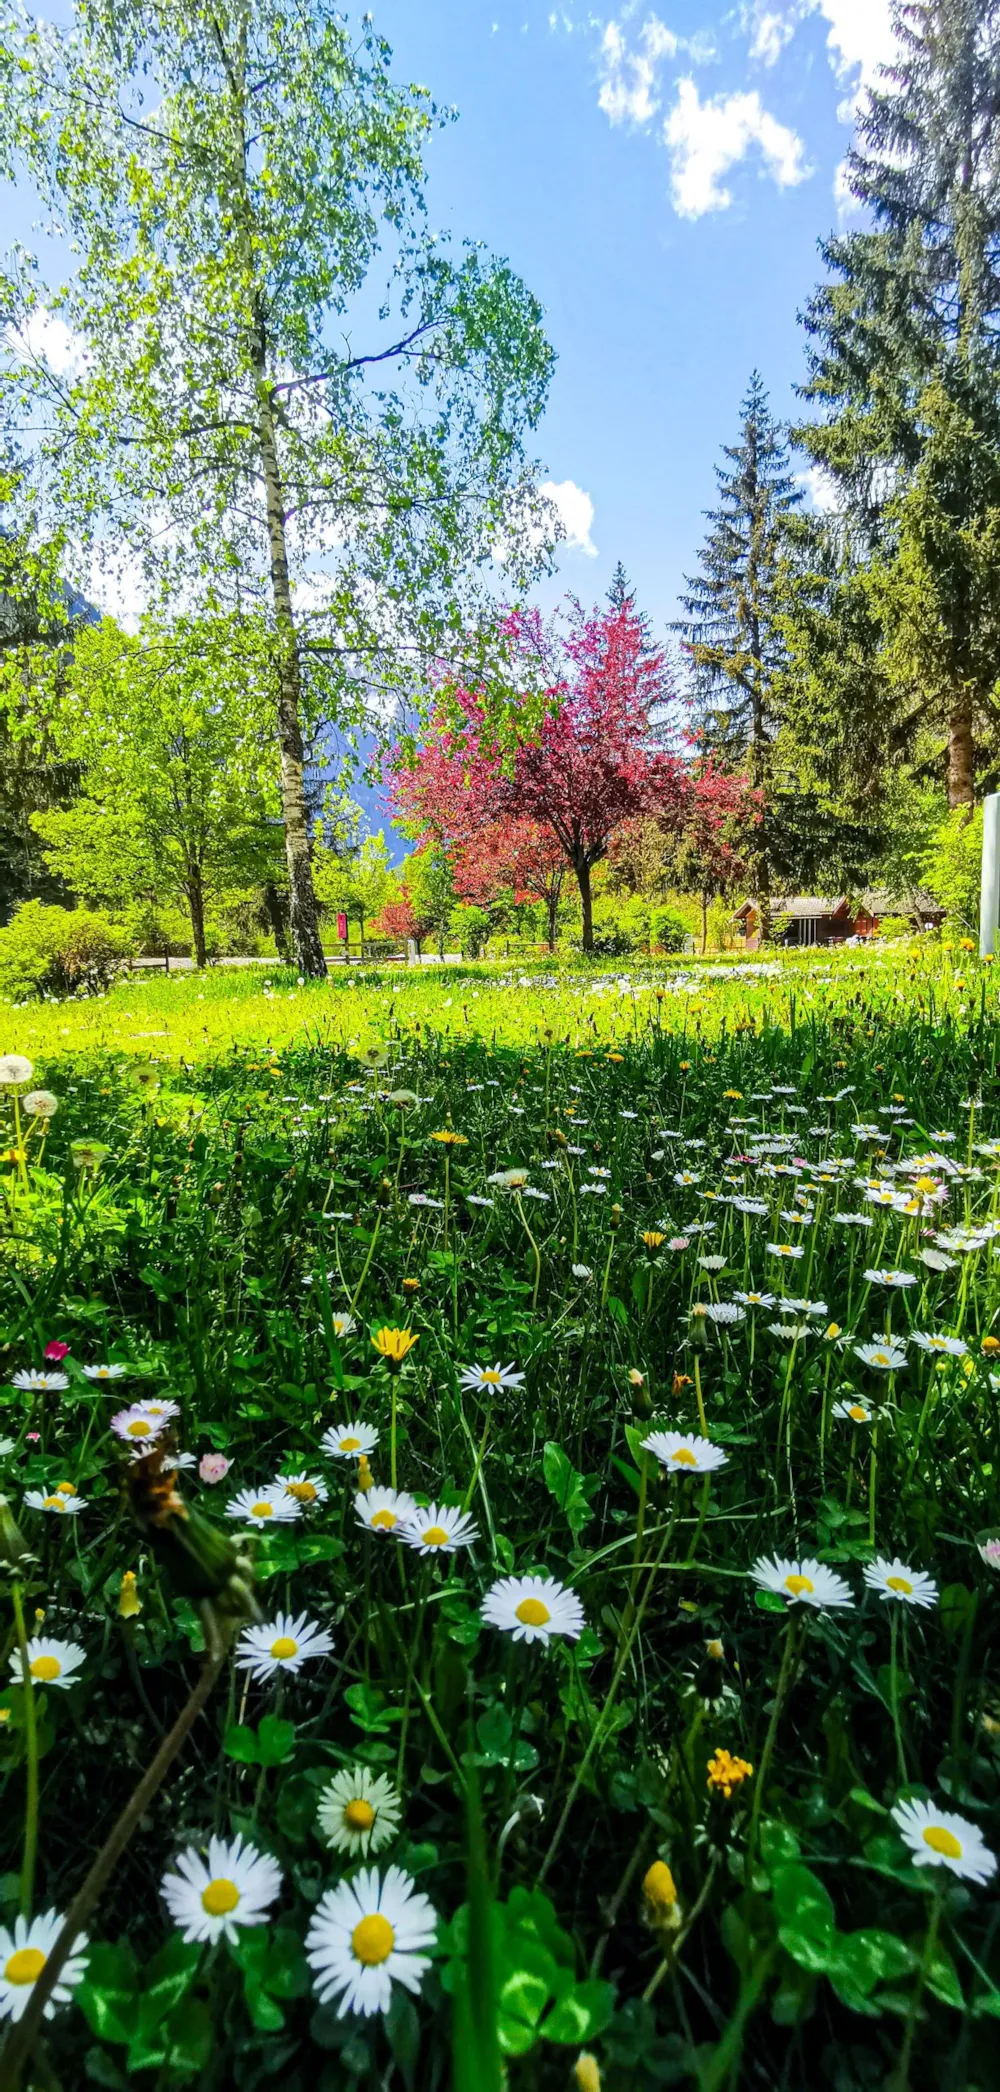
(30,1759)
(789,1657)
(20,2041)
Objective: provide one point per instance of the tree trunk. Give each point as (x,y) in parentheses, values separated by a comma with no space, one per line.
(552,910)
(276,918)
(361,931)
(303,917)
(961,765)
(704,924)
(582,870)
(196,909)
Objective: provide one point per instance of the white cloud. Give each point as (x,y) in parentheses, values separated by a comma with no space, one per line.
(820,489)
(859,39)
(575,511)
(45,338)
(707,138)
(628,78)
(629,89)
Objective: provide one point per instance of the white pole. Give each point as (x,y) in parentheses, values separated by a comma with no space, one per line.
(989,901)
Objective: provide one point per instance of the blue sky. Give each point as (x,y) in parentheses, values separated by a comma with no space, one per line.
(660,177)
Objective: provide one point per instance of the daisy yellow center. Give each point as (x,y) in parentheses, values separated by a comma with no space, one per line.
(54,1503)
(46,1668)
(881,1358)
(385,1520)
(436,1536)
(373,1940)
(25,1966)
(140,1427)
(942,1841)
(489,1377)
(304,1491)
(262,1510)
(797,1584)
(900,1583)
(220,1897)
(857,1412)
(532,1613)
(350,1445)
(359,1815)
(684,1457)
(284,1647)
(65,1489)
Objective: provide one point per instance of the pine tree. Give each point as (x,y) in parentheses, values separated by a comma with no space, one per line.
(731,633)
(621,594)
(904,371)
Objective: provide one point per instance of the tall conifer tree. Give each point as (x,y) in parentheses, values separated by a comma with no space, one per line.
(731,632)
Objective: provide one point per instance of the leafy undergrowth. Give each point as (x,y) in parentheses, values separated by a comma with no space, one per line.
(689,1780)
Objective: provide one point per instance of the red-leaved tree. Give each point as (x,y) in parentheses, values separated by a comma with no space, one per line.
(592,764)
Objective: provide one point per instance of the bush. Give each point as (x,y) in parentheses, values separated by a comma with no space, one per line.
(668,929)
(60,951)
(471,925)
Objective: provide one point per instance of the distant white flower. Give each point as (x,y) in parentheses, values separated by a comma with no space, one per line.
(853,1412)
(112,1372)
(885,1357)
(712,1263)
(785,1249)
(681,1453)
(49,1662)
(582,1272)
(949,1347)
(264,1507)
(439,1530)
(725,1312)
(939,1838)
(39,1383)
(895,1580)
(23,1955)
(236,1887)
(349,1441)
(890,1278)
(684,1177)
(805,1583)
(359,1811)
(366,1934)
(487,1377)
(383,1510)
(936,1260)
(763,1300)
(343,1324)
(281,1644)
(533,1609)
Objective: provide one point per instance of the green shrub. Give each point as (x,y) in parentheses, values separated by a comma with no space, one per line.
(60,951)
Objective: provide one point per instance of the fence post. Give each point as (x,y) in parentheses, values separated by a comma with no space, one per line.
(989,900)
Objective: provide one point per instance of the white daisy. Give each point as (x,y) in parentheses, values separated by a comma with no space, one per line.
(49,1662)
(890,1278)
(680,1453)
(23,1955)
(712,1263)
(384,1510)
(61,1504)
(938,1838)
(359,1811)
(792,1332)
(39,1383)
(236,1886)
(343,1325)
(805,1583)
(533,1608)
(367,1934)
(725,1312)
(949,1347)
(272,1506)
(306,1489)
(349,1441)
(885,1357)
(895,1580)
(439,1530)
(112,1372)
(281,1644)
(139,1423)
(785,1249)
(490,1377)
(764,1300)
(582,1272)
(936,1260)
(853,1412)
